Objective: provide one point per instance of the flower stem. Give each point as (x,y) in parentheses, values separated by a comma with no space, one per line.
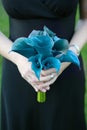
(41,96)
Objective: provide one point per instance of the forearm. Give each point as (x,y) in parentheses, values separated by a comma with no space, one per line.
(23,65)
(80,36)
(5,47)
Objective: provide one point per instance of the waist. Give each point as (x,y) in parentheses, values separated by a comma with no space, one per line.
(22,28)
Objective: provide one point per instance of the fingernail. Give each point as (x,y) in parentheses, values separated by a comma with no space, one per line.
(43,90)
(36,90)
(48,88)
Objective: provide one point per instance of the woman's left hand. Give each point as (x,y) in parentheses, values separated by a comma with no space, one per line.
(48,77)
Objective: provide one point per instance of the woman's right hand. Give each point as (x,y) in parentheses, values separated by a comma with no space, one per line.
(24,67)
(21,62)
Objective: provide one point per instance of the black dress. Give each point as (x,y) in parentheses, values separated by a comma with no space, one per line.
(64,107)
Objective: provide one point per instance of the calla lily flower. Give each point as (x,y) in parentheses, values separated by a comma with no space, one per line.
(70,57)
(36,64)
(42,44)
(49,32)
(60,47)
(21,46)
(45,50)
(51,62)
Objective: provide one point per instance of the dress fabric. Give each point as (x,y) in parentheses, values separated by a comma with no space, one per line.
(64,106)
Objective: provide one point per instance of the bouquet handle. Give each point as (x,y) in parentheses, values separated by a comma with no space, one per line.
(41,96)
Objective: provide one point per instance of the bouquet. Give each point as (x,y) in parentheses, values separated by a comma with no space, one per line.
(45,50)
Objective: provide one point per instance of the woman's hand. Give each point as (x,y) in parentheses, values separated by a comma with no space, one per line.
(49,76)
(24,67)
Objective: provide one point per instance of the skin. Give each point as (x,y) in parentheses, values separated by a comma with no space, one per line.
(24,67)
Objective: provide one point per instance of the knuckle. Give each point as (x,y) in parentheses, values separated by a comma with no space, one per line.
(44,72)
(24,75)
(51,82)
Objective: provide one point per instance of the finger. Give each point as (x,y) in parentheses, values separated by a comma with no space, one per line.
(45,89)
(48,83)
(38,88)
(49,71)
(35,87)
(29,80)
(48,77)
(48,88)
(30,77)
(44,78)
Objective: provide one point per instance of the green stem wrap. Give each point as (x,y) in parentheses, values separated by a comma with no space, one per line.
(41,96)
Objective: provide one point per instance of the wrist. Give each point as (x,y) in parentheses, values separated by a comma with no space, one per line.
(65,65)
(75,48)
(16,58)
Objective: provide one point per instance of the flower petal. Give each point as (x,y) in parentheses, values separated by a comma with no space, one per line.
(35,33)
(61,45)
(51,62)
(20,45)
(42,44)
(36,64)
(70,57)
(49,32)
(41,41)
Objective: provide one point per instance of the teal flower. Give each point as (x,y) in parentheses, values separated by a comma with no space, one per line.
(51,62)
(36,64)
(45,50)
(60,47)
(70,57)
(42,44)
(21,46)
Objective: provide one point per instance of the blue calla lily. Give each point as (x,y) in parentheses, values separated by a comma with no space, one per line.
(42,44)
(70,57)
(61,45)
(20,45)
(35,33)
(51,62)
(46,32)
(49,32)
(36,64)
